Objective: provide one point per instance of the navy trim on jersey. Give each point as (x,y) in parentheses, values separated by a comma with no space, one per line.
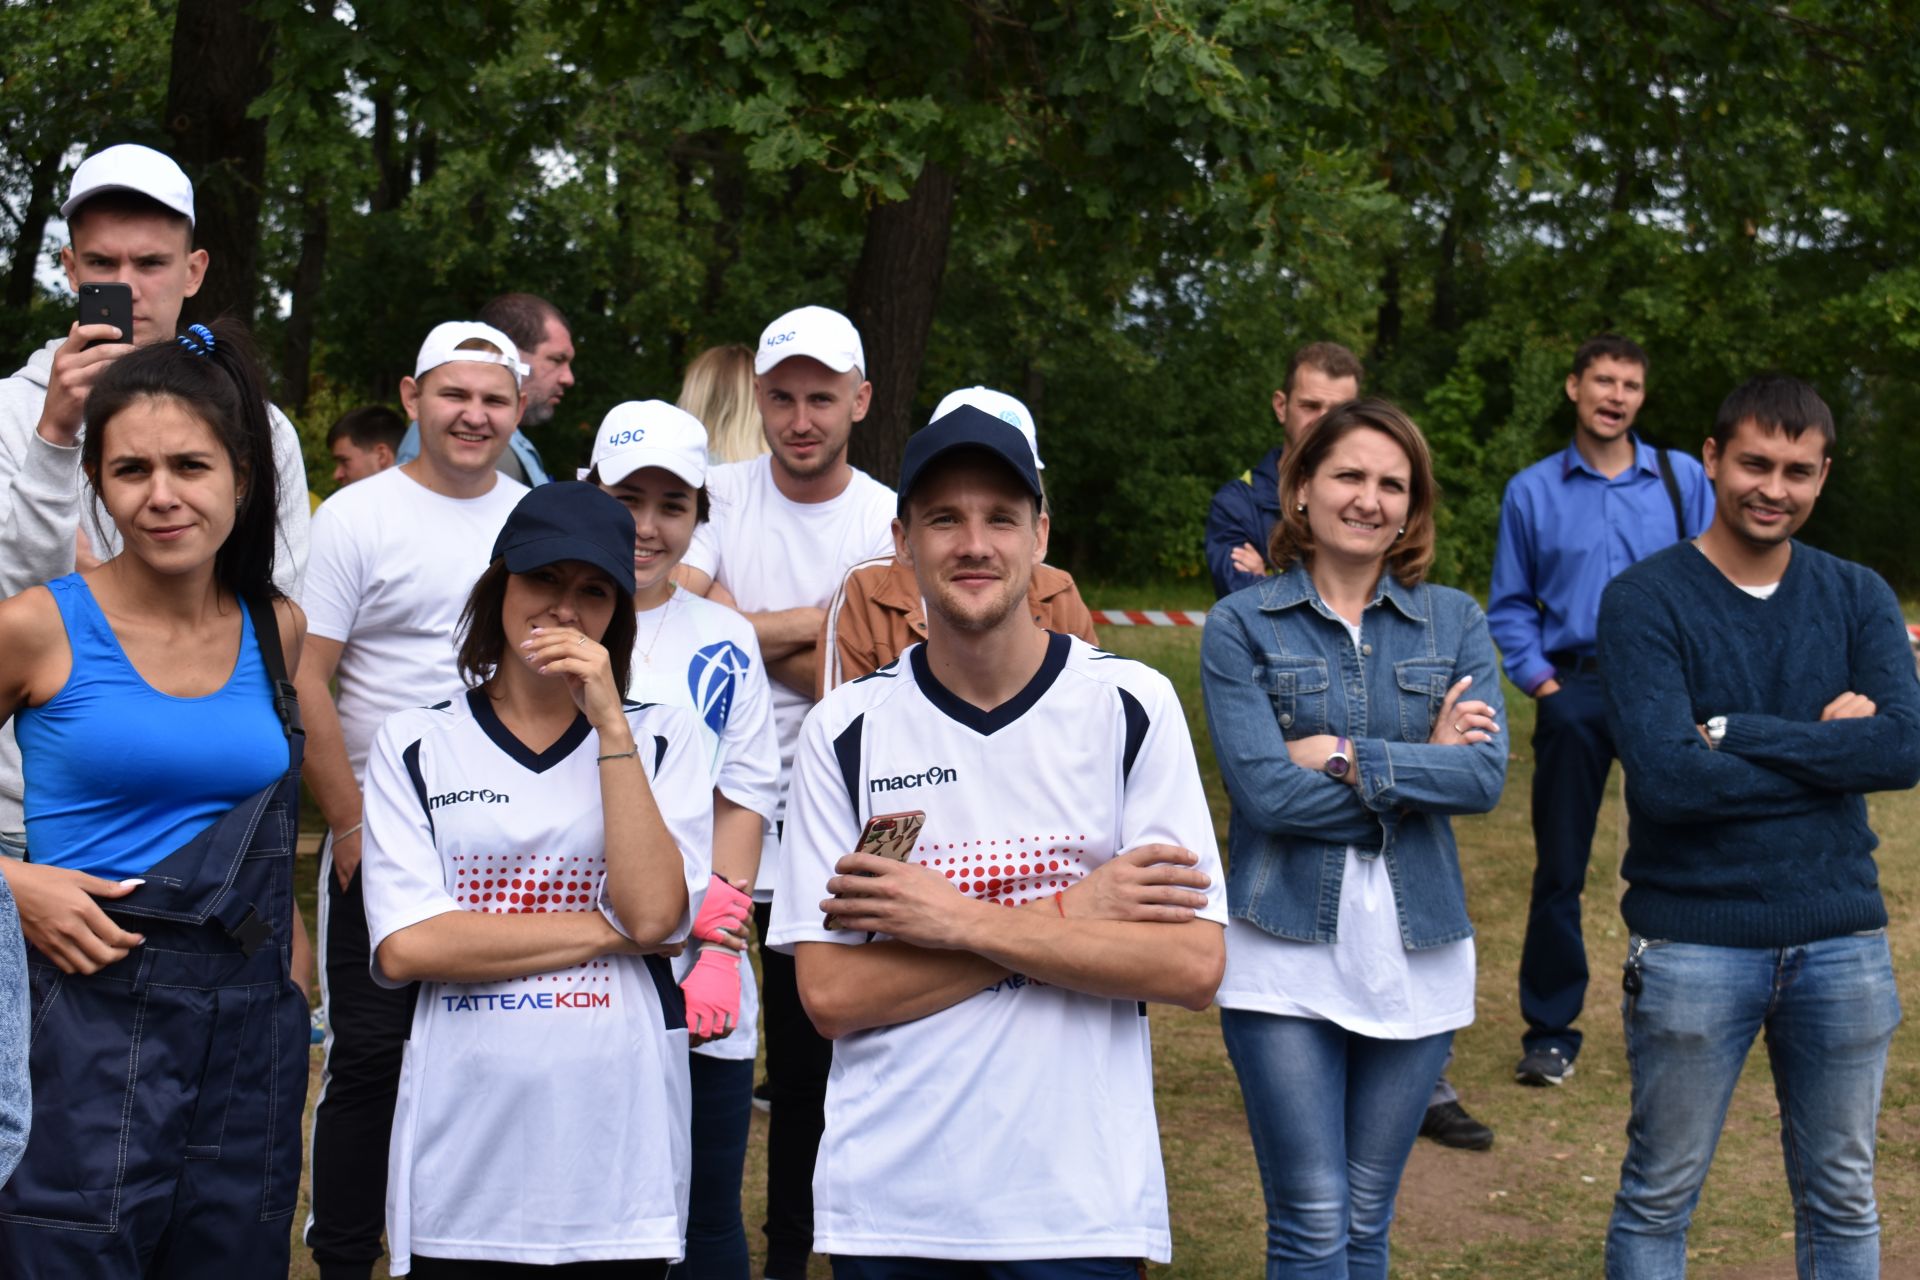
(411,756)
(673,1006)
(887,672)
(846,749)
(538,761)
(659,752)
(958,708)
(1136,729)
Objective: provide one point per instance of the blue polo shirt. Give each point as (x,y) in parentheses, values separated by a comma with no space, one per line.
(1565,531)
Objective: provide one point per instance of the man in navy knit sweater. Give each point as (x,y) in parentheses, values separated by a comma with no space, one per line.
(1757,689)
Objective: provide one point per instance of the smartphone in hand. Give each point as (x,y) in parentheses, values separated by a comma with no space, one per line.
(889,835)
(107,302)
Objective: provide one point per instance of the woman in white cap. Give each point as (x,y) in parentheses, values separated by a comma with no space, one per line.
(531,848)
(691,652)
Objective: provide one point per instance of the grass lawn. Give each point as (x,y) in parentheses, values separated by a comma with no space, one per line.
(1537,1204)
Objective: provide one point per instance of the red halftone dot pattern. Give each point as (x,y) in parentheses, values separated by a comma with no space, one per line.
(532,884)
(998,870)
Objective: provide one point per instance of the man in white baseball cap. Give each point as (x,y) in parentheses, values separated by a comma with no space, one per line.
(545,342)
(130,220)
(394,557)
(1000,405)
(786,527)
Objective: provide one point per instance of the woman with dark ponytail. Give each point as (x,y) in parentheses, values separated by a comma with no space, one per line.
(154,708)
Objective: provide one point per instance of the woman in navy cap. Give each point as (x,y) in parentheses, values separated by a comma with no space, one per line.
(533,847)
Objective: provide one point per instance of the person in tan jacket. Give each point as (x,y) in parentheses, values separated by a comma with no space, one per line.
(877,612)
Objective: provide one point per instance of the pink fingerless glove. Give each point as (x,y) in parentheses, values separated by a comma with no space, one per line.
(723,910)
(712,991)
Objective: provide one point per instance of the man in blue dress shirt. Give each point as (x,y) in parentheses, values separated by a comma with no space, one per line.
(1568,524)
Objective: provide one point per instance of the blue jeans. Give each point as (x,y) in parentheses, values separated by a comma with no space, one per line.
(16,1090)
(722,1116)
(1829,1010)
(1334,1116)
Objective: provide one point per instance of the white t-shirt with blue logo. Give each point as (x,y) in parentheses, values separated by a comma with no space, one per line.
(1018,1123)
(542,1119)
(774,553)
(693,653)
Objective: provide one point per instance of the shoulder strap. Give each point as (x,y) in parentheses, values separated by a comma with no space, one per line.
(1673,494)
(266,633)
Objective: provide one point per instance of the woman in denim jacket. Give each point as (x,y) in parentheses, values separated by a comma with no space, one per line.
(1334,695)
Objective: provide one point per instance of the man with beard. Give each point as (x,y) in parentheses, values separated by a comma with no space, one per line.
(785,529)
(991,1108)
(1568,524)
(545,342)
(1758,689)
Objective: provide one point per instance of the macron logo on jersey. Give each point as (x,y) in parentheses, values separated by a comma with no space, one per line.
(932,777)
(712,676)
(482,796)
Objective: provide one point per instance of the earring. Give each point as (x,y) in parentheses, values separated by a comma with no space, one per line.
(239,500)
(1300,507)
(1402,533)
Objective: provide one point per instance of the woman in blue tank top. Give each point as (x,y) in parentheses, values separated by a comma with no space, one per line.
(147,719)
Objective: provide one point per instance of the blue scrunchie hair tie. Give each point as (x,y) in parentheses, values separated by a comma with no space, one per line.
(197,339)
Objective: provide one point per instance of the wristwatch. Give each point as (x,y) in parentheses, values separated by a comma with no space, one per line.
(1341,760)
(1716,730)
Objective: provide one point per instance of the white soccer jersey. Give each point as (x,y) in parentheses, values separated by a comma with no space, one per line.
(693,653)
(1019,1123)
(541,1119)
(774,553)
(393,563)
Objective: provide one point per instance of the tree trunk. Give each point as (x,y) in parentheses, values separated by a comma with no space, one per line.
(221,63)
(33,233)
(296,363)
(891,302)
(1387,320)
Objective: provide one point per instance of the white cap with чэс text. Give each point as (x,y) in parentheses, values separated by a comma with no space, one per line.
(816,332)
(649,433)
(131,167)
(443,347)
(1000,405)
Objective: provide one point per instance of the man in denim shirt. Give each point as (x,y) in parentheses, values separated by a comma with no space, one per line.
(16,1100)
(1568,524)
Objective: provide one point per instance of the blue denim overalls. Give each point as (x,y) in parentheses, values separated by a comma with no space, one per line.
(168,1087)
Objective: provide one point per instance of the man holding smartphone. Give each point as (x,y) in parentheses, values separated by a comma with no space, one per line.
(130,222)
(991,1102)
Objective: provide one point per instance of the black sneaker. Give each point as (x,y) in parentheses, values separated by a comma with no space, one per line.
(1448,1124)
(1540,1067)
(762,1100)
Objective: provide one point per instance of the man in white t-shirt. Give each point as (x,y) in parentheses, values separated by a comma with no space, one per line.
(991,1107)
(394,557)
(785,529)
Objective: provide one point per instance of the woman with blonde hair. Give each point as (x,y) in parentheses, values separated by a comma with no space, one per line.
(1336,697)
(718,390)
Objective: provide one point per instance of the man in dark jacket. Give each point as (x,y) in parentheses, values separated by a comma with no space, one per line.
(1319,376)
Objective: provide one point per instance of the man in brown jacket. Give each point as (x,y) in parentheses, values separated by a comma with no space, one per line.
(877,612)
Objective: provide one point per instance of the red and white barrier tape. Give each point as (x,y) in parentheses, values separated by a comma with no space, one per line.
(1149,617)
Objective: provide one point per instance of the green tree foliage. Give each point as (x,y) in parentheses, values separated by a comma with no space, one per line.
(1127,213)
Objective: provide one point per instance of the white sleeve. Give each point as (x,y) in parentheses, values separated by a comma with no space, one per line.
(39,508)
(822,826)
(683,791)
(402,877)
(1162,799)
(295,512)
(749,749)
(335,578)
(703,553)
